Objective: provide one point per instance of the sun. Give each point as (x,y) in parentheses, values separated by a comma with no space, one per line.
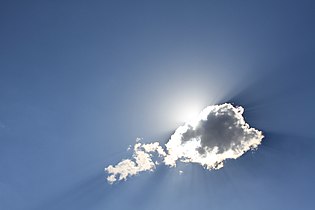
(187,112)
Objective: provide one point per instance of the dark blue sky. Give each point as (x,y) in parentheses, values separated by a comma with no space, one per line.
(80,80)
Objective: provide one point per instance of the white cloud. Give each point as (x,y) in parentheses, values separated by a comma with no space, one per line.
(218,133)
(142,161)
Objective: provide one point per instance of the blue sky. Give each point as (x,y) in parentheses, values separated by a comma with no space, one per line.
(81,80)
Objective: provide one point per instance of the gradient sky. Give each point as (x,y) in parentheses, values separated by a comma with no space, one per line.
(81,80)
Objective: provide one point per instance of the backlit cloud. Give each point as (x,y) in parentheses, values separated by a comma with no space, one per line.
(218,133)
(141,161)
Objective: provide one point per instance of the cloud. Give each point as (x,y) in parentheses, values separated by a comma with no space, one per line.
(218,133)
(141,161)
